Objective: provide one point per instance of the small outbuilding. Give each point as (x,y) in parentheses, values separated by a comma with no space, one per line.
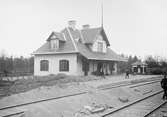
(139,67)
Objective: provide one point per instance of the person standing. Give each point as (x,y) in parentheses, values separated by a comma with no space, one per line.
(127,74)
(164,86)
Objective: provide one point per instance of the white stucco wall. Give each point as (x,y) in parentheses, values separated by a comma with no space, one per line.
(54,64)
(75,65)
(115,68)
(79,67)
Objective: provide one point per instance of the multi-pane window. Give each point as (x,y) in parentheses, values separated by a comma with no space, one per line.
(44,65)
(64,65)
(100,47)
(55,44)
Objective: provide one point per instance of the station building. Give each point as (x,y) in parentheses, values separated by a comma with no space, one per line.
(76,52)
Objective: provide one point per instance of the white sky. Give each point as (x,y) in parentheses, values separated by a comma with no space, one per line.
(136,27)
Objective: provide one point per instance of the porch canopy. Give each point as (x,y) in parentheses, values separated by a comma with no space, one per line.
(98,62)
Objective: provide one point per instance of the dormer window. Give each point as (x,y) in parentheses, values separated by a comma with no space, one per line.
(56,40)
(100,46)
(54,44)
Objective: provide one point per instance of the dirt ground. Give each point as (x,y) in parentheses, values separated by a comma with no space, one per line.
(70,106)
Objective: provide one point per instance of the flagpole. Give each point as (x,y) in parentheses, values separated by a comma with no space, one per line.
(102,13)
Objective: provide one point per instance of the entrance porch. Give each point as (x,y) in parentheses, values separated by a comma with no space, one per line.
(99,67)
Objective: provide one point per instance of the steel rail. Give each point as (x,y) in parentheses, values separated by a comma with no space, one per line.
(13,114)
(129,83)
(44,100)
(131,104)
(145,83)
(155,109)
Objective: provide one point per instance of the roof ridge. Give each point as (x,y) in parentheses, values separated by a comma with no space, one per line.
(55,32)
(82,36)
(92,28)
(64,36)
(72,39)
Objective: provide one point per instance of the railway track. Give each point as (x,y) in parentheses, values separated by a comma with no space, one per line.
(18,114)
(40,101)
(160,111)
(130,84)
(139,108)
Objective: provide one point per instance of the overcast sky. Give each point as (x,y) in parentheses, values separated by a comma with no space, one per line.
(133,27)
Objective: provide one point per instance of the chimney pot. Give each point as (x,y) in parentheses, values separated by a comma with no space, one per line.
(86,26)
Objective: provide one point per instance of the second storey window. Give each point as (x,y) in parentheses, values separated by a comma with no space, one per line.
(44,65)
(64,65)
(100,47)
(54,44)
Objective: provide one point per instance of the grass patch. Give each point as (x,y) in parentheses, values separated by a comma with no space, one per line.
(23,85)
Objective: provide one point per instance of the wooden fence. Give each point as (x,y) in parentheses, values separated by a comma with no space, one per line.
(15,76)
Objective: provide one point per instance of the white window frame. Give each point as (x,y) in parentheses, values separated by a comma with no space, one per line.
(100,46)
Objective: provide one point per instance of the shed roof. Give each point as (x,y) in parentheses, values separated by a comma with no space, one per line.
(138,63)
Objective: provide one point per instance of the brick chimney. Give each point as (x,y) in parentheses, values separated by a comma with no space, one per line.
(72,24)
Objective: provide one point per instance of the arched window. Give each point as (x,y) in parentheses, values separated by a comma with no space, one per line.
(64,65)
(44,65)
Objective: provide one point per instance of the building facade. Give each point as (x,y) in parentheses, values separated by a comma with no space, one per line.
(76,52)
(139,67)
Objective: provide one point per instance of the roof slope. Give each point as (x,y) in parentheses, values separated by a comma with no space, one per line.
(90,34)
(67,46)
(56,35)
(73,45)
(109,55)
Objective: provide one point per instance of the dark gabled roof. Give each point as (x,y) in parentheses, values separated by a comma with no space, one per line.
(90,34)
(56,35)
(138,63)
(73,45)
(66,47)
(75,33)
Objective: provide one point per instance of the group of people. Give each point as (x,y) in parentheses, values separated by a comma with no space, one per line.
(164,86)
